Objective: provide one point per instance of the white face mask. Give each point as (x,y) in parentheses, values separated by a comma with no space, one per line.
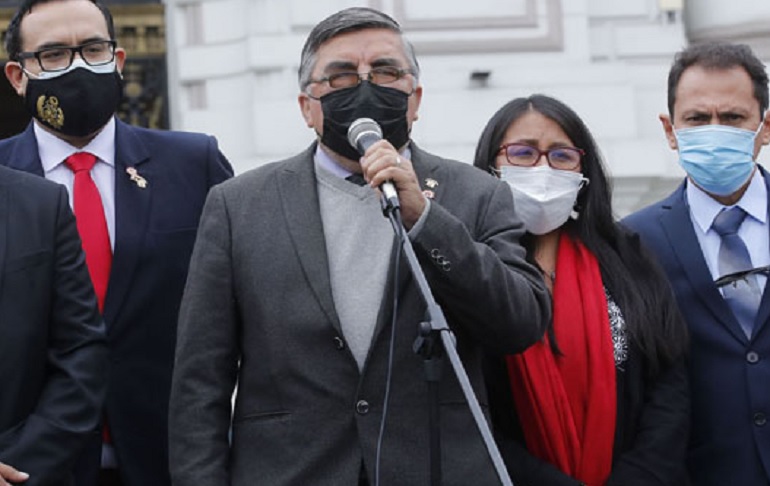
(76,63)
(543,197)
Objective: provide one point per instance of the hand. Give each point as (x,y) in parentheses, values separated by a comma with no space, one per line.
(7,473)
(382,163)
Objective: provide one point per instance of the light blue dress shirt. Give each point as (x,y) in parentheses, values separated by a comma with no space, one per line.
(754,230)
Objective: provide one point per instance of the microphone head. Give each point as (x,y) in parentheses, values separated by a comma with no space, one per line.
(363,126)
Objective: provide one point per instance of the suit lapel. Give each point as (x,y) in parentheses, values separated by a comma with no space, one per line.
(763,315)
(132,204)
(677,226)
(424,171)
(3,226)
(25,156)
(299,200)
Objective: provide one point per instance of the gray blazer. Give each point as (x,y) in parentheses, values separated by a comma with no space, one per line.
(258,310)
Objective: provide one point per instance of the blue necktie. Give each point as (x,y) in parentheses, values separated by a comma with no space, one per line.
(742,295)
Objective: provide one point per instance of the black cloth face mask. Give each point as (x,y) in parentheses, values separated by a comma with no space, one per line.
(386,106)
(77,103)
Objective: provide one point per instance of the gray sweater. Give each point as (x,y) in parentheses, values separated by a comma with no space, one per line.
(359,241)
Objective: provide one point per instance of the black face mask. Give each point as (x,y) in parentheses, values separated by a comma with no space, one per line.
(77,103)
(386,106)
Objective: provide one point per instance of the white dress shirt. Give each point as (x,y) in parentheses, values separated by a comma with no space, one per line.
(54,151)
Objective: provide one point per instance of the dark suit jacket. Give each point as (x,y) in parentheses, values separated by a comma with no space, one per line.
(52,345)
(729,373)
(154,235)
(258,308)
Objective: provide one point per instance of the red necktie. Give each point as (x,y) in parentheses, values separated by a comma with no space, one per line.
(91,223)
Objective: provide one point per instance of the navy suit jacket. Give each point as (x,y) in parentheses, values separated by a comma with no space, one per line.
(729,373)
(53,351)
(155,230)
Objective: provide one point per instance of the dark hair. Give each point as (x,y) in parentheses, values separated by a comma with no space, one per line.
(13,34)
(719,55)
(349,20)
(634,280)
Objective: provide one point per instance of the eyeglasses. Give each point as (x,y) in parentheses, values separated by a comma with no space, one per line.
(562,158)
(53,59)
(378,75)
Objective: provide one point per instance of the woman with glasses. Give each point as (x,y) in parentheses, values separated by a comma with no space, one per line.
(603,398)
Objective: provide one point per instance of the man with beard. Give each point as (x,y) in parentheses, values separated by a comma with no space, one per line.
(137,195)
(293,281)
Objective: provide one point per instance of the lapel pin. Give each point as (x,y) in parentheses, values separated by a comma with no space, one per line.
(431,184)
(134,175)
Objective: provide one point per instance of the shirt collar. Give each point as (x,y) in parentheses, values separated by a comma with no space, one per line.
(323,160)
(704,208)
(54,151)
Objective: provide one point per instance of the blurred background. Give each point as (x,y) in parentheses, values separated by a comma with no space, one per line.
(229,68)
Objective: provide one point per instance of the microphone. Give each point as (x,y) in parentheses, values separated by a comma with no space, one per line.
(362,134)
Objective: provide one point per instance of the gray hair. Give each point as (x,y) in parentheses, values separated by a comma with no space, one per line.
(349,20)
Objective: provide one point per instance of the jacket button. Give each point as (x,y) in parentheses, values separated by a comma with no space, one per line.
(760,419)
(339,343)
(362,407)
(752,357)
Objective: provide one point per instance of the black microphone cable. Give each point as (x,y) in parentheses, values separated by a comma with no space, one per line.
(362,133)
(391,348)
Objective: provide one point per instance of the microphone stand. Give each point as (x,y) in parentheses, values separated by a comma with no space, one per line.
(433,338)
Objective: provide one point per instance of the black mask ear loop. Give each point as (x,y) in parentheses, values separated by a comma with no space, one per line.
(575,213)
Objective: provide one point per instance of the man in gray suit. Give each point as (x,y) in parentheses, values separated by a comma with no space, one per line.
(295,292)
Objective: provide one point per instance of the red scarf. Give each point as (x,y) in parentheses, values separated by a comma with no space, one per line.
(567,404)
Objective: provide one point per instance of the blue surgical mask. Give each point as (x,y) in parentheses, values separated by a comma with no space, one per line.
(718,158)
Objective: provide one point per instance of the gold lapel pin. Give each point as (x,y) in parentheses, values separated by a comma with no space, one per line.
(431,184)
(134,175)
